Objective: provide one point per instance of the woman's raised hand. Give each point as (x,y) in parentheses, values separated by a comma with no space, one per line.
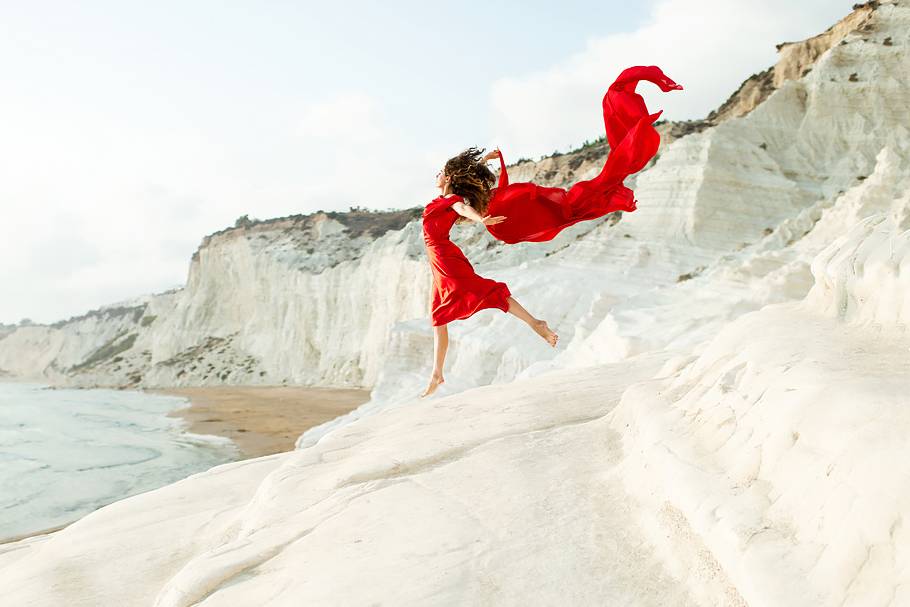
(488,220)
(491,155)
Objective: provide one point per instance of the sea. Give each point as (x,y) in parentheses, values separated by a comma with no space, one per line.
(67,452)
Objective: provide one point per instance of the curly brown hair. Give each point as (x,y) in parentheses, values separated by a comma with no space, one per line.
(471,179)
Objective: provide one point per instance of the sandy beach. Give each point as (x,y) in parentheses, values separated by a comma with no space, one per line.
(261,420)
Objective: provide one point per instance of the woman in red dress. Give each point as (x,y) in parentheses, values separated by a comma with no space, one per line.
(458,291)
(536,213)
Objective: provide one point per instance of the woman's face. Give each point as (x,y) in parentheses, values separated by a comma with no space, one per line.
(441,178)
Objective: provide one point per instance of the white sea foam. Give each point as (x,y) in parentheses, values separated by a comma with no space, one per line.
(67,452)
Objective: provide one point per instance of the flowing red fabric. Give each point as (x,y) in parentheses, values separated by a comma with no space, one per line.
(536,213)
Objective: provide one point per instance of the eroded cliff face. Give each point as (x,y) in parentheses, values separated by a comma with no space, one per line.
(796,60)
(296,300)
(737,199)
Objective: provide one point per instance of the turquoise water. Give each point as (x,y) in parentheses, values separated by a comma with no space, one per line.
(67,452)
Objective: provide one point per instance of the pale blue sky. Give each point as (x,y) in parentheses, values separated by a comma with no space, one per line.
(130,130)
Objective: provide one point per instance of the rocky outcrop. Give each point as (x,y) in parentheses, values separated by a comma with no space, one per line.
(796,60)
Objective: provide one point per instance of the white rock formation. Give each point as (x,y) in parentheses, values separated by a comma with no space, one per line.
(726,424)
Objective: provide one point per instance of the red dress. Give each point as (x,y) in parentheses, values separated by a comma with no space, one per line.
(535,213)
(458,292)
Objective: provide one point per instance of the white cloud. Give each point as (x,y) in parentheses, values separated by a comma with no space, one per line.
(709,47)
(352,117)
(374,165)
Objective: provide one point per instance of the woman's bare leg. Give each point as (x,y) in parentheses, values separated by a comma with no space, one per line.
(441,341)
(540,326)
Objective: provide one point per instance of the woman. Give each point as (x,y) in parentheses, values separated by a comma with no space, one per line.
(536,213)
(458,292)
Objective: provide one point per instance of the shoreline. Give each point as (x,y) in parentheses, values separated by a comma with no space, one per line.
(259,420)
(25,536)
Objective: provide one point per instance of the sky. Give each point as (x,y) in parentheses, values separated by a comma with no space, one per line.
(129,130)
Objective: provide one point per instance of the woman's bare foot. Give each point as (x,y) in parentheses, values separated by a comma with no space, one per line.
(540,326)
(435,380)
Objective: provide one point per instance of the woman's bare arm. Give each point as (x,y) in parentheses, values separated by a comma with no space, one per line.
(468,211)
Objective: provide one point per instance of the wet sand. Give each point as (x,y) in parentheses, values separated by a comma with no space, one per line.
(261,420)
